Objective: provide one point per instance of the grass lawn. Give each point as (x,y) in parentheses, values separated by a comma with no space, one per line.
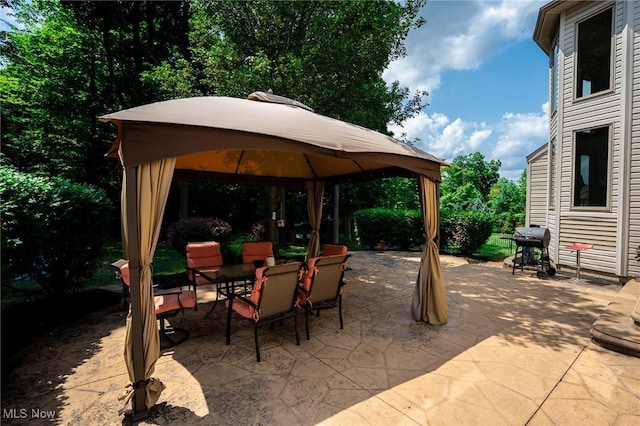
(496,248)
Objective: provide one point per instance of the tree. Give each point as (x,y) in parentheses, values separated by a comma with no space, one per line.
(471,169)
(65,63)
(465,197)
(507,202)
(329,55)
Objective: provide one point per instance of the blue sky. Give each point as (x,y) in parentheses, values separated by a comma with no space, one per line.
(487,81)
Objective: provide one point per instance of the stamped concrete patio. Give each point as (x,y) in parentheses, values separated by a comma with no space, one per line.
(517,350)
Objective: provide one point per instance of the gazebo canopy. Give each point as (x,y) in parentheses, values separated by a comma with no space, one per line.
(263,138)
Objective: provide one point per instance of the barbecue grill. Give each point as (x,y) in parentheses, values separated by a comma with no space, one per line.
(527,239)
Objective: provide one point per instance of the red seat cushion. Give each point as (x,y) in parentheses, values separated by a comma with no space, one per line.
(242,307)
(175,302)
(305,281)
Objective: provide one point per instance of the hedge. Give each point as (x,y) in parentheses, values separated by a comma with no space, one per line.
(465,231)
(400,228)
(53,230)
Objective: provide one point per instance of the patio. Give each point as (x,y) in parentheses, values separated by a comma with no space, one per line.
(516,350)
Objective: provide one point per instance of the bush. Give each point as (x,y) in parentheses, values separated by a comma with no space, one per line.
(53,230)
(232,250)
(194,229)
(465,231)
(401,228)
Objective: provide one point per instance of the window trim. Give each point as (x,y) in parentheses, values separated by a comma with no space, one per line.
(554,95)
(607,207)
(612,61)
(552,186)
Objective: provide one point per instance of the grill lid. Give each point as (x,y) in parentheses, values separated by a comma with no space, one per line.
(532,236)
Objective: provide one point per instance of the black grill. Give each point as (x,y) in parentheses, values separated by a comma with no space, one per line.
(532,237)
(527,239)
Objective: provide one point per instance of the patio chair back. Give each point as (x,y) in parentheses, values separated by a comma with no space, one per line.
(334,250)
(202,255)
(256,250)
(273,299)
(322,286)
(278,289)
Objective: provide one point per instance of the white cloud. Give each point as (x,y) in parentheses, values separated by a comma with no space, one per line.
(510,140)
(461,35)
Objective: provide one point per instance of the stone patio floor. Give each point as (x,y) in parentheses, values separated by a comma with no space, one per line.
(516,350)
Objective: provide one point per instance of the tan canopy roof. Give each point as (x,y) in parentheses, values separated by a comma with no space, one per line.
(265,136)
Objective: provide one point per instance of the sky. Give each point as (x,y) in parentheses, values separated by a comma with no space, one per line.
(487,81)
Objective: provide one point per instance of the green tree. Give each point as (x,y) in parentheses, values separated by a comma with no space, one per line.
(329,55)
(65,63)
(471,169)
(465,197)
(507,202)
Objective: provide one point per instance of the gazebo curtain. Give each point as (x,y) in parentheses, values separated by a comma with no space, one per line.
(429,301)
(144,195)
(315,191)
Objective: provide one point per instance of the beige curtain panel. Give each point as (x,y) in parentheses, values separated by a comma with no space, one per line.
(429,301)
(315,192)
(152,184)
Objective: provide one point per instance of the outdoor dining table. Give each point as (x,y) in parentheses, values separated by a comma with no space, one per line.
(228,275)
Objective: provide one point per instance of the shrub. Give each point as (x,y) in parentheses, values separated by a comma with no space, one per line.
(401,228)
(194,229)
(258,231)
(232,250)
(465,231)
(53,230)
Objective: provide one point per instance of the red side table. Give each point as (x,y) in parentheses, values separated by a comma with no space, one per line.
(578,247)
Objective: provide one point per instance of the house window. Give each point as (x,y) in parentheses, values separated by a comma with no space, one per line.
(591,168)
(594,54)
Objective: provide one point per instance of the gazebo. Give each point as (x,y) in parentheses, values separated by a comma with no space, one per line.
(263,139)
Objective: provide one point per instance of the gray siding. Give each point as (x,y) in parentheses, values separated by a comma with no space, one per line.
(553,245)
(537,190)
(604,109)
(634,199)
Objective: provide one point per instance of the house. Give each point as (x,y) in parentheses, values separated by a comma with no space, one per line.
(584,184)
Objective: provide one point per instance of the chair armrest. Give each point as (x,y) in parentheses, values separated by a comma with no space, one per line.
(245,300)
(168,291)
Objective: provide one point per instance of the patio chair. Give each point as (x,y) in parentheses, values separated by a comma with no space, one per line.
(204,255)
(273,298)
(322,286)
(168,303)
(126,295)
(334,250)
(256,251)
